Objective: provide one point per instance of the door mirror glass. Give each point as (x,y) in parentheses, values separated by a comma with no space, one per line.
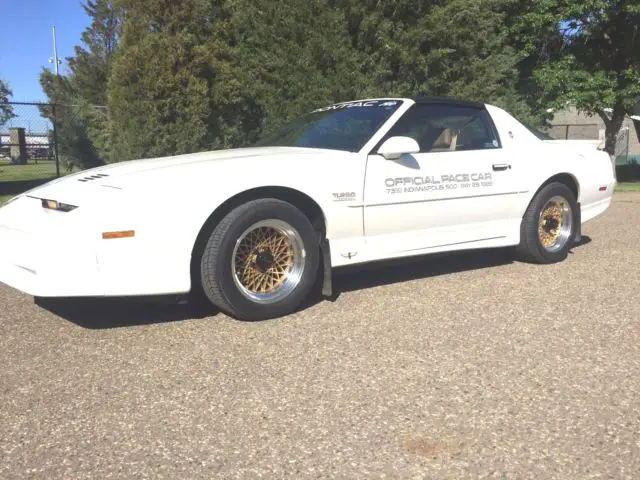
(394,147)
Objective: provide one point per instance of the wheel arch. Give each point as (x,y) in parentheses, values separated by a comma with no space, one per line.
(309,207)
(565,178)
(525,248)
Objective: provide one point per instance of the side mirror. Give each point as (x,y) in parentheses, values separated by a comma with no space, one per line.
(394,147)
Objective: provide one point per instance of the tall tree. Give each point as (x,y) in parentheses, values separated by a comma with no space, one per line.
(81,117)
(587,53)
(6,110)
(461,48)
(73,143)
(293,56)
(91,65)
(456,48)
(297,54)
(200,74)
(173,88)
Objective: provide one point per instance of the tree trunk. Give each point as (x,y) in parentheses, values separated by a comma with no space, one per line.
(612,129)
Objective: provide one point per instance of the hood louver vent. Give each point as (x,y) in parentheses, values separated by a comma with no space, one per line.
(92,177)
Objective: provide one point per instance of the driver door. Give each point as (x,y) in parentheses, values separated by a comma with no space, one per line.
(459,189)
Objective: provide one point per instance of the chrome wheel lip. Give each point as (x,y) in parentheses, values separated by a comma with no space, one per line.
(566,225)
(296,271)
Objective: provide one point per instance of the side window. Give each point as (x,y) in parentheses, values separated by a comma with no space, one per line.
(447,128)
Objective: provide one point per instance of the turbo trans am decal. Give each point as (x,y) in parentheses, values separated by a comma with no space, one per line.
(343,196)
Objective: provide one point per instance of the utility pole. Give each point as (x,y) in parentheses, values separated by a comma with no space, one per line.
(55,60)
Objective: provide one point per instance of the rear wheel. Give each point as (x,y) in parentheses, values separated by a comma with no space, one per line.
(549,225)
(261,261)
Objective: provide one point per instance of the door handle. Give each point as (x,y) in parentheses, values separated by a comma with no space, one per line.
(500,166)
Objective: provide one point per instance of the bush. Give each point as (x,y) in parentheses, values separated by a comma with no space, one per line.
(629,172)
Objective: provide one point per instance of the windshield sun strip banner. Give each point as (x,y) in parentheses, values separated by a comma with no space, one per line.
(361,104)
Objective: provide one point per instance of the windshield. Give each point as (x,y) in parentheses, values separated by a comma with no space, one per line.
(344,126)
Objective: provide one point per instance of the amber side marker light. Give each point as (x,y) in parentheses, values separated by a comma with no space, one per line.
(121,234)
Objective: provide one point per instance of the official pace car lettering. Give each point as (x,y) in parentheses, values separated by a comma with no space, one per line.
(371,103)
(444,182)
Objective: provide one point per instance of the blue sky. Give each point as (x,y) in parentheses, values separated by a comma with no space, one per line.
(26,42)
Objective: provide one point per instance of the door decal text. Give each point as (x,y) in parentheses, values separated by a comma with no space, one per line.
(444,182)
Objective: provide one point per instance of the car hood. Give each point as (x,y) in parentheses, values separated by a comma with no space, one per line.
(71,187)
(143,165)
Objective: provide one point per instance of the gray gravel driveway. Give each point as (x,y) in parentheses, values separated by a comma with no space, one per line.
(466,366)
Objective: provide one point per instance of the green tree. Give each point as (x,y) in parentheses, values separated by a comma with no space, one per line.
(461,48)
(73,143)
(91,65)
(6,110)
(173,88)
(457,48)
(200,74)
(297,54)
(292,56)
(81,118)
(90,70)
(585,52)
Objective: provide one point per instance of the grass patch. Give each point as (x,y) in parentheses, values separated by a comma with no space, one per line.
(628,187)
(4,198)
(31,171)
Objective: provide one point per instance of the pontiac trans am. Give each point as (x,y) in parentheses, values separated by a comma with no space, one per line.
(254,229)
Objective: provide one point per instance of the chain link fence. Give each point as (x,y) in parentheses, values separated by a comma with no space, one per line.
(28,150)
(627,164)
(623,152)
(589,131)
(43,141)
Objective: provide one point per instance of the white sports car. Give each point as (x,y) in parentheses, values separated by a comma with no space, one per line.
(254,228)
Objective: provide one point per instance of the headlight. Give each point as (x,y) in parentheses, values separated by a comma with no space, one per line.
(55,205)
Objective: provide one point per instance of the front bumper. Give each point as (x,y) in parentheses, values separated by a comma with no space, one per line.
(51,254)
(49,282)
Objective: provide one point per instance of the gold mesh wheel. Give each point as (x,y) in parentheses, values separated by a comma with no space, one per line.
(555,223)
(268,261)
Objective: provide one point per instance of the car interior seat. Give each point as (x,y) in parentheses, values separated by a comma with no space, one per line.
(445,142)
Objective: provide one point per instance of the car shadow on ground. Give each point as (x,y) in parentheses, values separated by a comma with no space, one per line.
(105,313)
(381,273)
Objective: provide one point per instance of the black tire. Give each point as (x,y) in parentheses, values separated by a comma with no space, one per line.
(216,270)
(531,248)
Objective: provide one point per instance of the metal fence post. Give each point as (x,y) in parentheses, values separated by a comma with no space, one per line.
(628,145)
(55,140)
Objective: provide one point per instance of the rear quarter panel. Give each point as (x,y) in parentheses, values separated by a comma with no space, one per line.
(538,161)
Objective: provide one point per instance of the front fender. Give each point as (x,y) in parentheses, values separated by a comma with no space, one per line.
(184,198)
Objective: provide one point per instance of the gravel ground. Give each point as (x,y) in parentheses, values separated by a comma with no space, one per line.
(456,367)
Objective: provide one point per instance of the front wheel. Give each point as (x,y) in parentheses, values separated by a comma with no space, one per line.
(261,261)
(549,225)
